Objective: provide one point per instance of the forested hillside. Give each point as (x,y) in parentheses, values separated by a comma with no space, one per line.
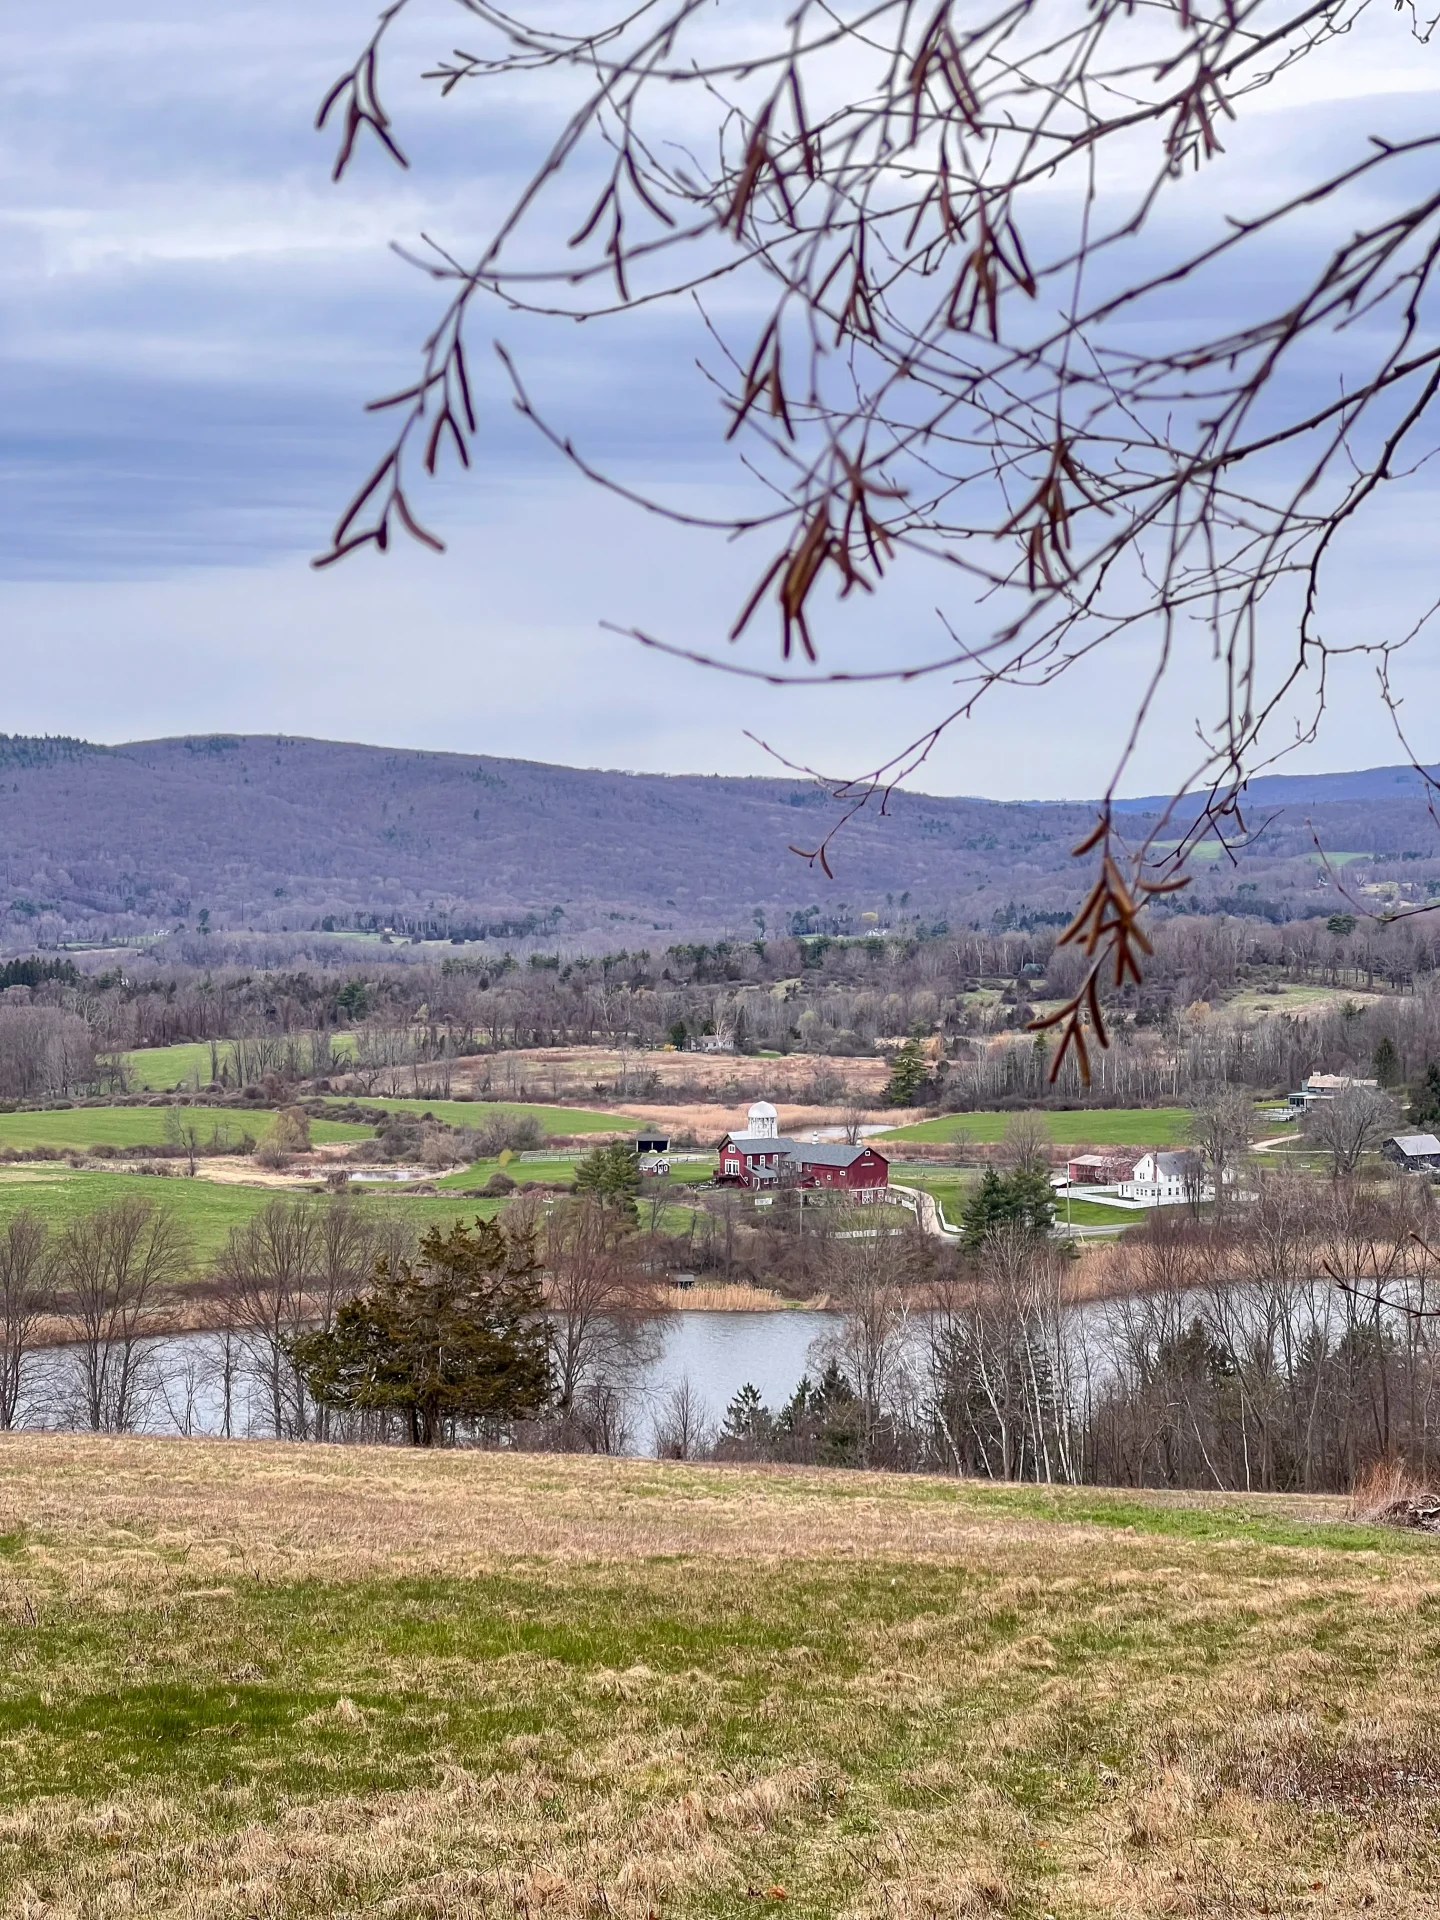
(273,834)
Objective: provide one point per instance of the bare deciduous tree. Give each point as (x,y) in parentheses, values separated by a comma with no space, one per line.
(267,1275)
(604,1310)
(26,1292)
(955,312)
(1025,1146)
(1222,1126)
(114,1268)
(1351,1124)
(866,1277)
(682,1429)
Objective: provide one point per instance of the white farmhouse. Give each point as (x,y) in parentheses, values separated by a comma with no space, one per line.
(1166,1179)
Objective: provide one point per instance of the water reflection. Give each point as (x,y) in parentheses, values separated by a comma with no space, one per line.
(183,1378)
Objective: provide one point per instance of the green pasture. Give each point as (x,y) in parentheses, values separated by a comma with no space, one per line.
(83,1127)
(207,1209)
(159,1069)
(475,1113)
(1095,1127)
(562,1167)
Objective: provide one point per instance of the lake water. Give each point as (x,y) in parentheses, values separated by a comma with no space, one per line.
(717,1352)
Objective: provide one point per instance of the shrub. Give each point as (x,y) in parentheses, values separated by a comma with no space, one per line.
(520,1132)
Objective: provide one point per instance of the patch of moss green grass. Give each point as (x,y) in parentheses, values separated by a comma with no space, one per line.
(190,1063)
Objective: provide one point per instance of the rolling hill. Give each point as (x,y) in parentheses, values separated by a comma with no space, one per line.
(273,834)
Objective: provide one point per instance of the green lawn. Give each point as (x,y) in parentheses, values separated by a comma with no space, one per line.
(81,1127)
(1094,1213)
(207,1208)
(299,1682)
(951,1189)
(1098,1127)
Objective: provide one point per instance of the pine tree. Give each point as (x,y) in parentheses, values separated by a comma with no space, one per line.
(456,1336)
(1387,1062)
(612,1175)
(907,1075)
(1425,1104)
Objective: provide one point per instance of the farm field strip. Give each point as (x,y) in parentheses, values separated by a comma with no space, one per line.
(475,1113)
(323,1680)
(207,1209)
(81,1127)
(1098,1126)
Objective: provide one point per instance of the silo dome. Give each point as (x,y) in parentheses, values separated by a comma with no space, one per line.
(763,1120)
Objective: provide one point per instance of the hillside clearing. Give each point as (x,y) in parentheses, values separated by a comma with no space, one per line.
(264,1679)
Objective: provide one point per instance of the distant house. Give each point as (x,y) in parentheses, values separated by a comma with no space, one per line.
(1323,1086)
(1166,1179)
(1419,1152)
(762,1157)
(652,1141)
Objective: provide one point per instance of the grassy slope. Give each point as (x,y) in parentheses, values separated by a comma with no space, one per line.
(267,1680)
(145,1126)
(207,1208)
(1102,1127)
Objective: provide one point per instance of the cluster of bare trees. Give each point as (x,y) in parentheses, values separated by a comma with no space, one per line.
(108,1276)
(1287,1348)
(44,1050)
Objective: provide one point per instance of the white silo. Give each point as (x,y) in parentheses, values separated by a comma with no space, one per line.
(762,1122)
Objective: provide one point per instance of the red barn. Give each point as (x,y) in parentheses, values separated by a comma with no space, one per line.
(760,1160)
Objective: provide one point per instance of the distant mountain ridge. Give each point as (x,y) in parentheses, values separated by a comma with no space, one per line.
(274,833)
(1311,789)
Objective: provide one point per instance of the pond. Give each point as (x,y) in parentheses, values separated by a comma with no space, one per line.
(716,1352)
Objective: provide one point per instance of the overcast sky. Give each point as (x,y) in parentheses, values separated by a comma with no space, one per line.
(191,317)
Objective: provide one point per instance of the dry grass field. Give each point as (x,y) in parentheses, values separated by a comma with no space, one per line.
(254,1680)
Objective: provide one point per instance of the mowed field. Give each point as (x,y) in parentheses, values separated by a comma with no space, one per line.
(253,1679)
(207,1209)
(1097,1127)
(82,1127)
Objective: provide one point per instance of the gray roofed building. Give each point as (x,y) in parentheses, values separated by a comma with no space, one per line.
(1420,1151)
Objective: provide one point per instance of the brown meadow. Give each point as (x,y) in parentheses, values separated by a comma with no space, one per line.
(255,1679)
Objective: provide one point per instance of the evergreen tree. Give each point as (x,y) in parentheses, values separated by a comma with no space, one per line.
(456,1336)
(1387,1061)
(907,1075)
(612,1176)
(1023,1198)
(1425,1102)
(747,1419)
